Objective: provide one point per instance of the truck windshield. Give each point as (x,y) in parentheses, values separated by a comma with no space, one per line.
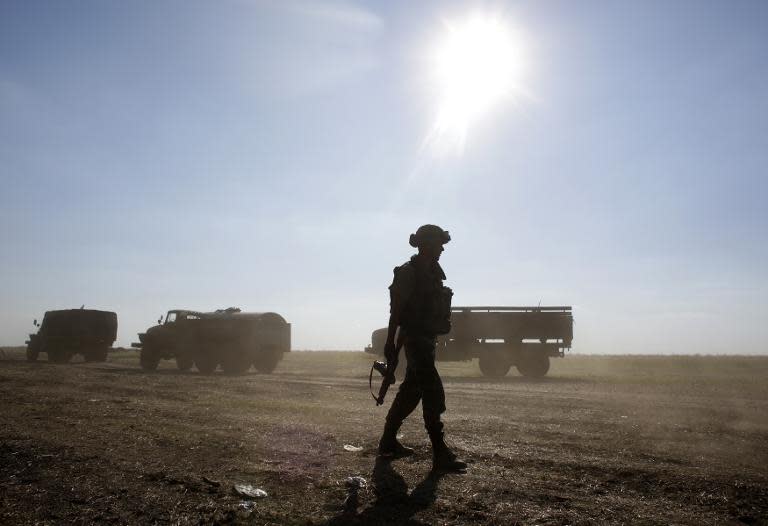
(170,318)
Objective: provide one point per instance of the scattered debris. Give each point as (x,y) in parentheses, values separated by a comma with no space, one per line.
(248,491)
(354,485)
(246,505)
(353,449)
(211,482)
(356,482)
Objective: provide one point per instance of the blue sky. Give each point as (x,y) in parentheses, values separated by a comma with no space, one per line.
(270,155)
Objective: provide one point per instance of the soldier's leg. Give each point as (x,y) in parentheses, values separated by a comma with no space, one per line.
(432,398)
(433,406)
(406,400)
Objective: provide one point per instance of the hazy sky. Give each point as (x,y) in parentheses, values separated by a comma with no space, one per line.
(271,155)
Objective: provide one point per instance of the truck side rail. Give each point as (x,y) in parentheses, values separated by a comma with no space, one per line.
(562,309)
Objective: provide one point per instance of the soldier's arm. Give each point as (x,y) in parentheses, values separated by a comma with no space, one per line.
(394,323)
(400,291)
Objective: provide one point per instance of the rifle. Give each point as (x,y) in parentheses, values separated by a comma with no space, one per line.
(387,370)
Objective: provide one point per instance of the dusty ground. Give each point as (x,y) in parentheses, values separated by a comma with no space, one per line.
(602,440)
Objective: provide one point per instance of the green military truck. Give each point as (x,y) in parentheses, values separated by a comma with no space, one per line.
(65,333)
(230,338)
(500,337)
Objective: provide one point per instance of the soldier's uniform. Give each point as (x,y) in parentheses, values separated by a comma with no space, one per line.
(423,310)
(416,289)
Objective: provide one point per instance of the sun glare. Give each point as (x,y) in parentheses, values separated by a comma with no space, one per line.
(477,65)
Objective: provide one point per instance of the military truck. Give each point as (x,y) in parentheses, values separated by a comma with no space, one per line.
(64,333)
(500,337)
(227,337)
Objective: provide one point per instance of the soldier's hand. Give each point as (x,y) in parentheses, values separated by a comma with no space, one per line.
(389,351)
(389,378)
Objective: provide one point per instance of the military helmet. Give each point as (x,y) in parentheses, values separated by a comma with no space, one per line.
(429,234)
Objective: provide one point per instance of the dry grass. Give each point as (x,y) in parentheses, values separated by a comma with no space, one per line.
(654,440)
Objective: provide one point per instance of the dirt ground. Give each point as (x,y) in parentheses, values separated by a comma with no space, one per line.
(634,440)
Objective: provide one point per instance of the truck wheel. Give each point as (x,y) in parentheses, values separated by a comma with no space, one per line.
(266,361)
(101,354)
(235,365)
(32,354)
(533,364)
(235,360)
(184,363)
(96,355)
(206,362)
(149,360)
(494,364)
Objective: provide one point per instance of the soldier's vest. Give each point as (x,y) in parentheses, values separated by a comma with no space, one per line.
(428,310)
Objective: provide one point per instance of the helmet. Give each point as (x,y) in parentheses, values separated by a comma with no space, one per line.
(429,234)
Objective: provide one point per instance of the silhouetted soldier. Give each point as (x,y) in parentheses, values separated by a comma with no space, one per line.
(420,307)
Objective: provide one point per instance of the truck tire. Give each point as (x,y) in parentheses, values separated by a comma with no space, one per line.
(206,361)
(494,364)
(32,354)
(97,354)
(533,364)
(235,361)
(149,359)
(267,359)
(101,354)
(184,363)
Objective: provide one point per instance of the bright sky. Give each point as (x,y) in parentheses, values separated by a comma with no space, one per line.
(275,155)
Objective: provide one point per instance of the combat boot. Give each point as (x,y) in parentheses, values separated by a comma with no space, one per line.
(390,447)
(395,450)
(444,460)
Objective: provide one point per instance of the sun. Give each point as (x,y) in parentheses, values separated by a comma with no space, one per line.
(476,65)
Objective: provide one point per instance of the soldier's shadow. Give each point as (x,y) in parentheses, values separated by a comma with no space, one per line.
(393,504)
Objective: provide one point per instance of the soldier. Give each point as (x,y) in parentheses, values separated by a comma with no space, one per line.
(420,308)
